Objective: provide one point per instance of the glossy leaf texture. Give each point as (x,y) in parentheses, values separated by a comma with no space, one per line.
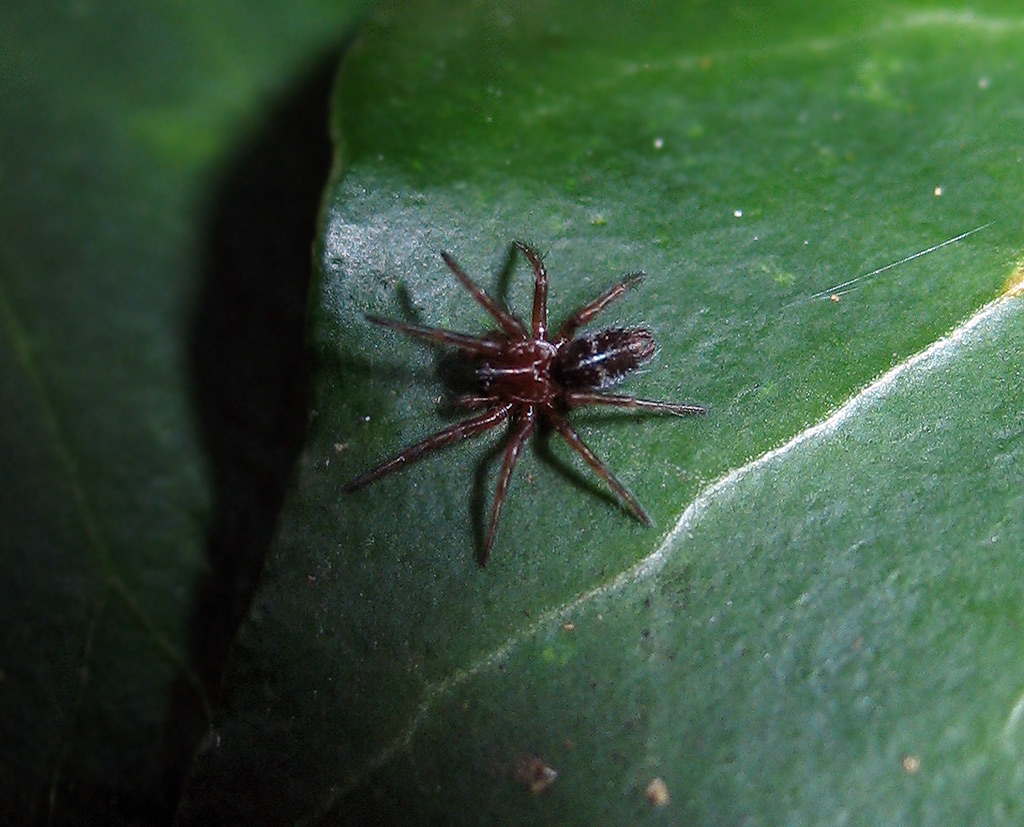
(823,626)
(149,334)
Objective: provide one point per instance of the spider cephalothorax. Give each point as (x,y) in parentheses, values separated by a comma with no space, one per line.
(525,375)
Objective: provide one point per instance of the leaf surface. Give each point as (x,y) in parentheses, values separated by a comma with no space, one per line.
(822,625)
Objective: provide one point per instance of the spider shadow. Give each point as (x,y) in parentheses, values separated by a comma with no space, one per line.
(504,278)
(409,311)
(348,367)
(582,480)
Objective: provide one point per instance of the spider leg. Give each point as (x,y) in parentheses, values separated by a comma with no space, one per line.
(628,501)
(540,290)
(589,311)
(509,323)
(438,335)
(519,436)
(469,401)
(467,429)
(632,403)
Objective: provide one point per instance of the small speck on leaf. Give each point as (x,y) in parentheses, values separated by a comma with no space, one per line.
(534,774)
(656,792)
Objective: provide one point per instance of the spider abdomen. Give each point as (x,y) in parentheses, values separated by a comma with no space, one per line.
(603,358)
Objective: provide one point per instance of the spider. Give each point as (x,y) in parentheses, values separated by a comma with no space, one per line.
(525,375)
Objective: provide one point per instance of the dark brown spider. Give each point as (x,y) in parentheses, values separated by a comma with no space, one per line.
(524,375)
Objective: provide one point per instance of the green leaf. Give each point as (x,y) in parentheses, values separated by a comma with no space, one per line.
(822,627)
(142,165)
